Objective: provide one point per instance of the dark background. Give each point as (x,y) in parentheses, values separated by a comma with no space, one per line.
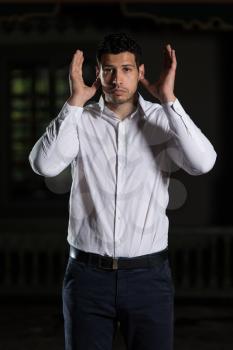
(37,41)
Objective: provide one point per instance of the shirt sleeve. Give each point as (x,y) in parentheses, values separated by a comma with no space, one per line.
(187,146)
(59,145)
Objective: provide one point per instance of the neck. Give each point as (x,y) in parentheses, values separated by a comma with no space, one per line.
(123,109)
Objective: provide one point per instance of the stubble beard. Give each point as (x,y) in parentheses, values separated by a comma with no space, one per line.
(115,100)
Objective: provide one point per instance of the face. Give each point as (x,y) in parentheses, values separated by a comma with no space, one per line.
(119,76)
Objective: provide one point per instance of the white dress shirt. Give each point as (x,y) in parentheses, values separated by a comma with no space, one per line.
(120,171)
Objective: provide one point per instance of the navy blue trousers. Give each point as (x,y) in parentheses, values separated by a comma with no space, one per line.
(95,300)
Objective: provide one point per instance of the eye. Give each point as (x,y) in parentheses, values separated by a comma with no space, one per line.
(126,69)
(108,70)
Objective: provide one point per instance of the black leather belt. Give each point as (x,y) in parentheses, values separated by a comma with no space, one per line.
(107,262)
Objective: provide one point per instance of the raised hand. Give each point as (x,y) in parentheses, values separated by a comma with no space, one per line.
(163,89)
(80,92)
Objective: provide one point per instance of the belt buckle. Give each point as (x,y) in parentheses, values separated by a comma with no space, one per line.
(113,267)
(114,263)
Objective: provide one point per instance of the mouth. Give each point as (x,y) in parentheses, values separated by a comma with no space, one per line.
(117,91)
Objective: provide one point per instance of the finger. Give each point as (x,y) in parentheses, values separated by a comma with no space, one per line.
(73,63)
(167,56)
(78,62)
(174,54)
(174,61)
(169,48)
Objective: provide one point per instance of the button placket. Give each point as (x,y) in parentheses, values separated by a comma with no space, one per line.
(120,168)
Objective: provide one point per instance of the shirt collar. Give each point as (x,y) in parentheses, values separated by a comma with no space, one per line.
(142,104)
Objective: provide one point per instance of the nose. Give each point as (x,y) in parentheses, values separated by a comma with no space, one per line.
(117,78)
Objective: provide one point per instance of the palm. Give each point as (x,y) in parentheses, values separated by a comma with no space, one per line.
(77,84)
(163,88)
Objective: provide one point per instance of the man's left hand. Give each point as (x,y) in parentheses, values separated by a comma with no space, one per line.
(163,89)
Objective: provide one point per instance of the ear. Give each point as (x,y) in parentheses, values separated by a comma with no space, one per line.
(141,70)
(97,71)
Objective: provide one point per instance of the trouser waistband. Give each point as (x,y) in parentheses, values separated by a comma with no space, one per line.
(107,262)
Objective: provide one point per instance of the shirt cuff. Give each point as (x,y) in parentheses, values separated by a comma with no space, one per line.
(176,106)
(68,110)
(169,103)
(176,113)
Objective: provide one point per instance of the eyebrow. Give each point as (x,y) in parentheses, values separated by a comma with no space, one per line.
(123,65)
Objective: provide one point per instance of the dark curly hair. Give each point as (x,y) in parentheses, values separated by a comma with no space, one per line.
(116,43)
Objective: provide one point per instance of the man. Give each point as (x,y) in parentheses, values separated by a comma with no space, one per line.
(121,150)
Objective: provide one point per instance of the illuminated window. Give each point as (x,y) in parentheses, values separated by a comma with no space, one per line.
(36,96)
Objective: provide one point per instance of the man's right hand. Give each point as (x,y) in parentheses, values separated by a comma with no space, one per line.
(80,92)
